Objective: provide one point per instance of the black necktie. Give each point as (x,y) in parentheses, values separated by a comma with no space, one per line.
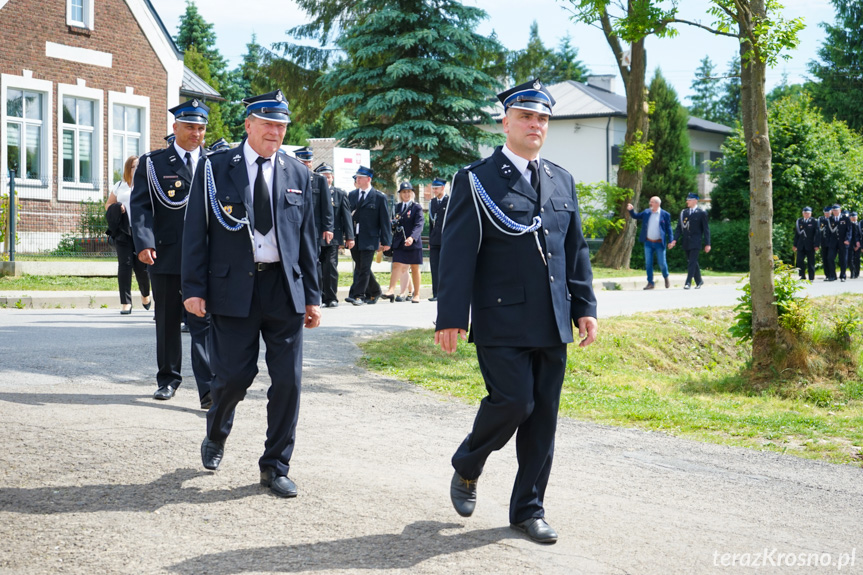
(533,168)
(362,197)
(188,167)
(263,217)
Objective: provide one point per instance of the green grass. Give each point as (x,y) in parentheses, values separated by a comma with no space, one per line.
(675,372)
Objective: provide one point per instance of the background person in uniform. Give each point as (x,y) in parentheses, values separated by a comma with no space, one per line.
(823,229)
(854,247)
(373,232)
(252,265)
(523,285)
(343,235)
(807,240)
(844,241)
(835,241)
(162,183)
(437,211)
(693,227)
(323,206)
(117,211)
(407,242)
(655,234)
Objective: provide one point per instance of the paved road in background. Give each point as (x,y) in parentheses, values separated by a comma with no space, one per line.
(96,477)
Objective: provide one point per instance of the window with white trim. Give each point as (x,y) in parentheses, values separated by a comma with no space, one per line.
(127,135)
(25,112)
(77,148)
(79,13)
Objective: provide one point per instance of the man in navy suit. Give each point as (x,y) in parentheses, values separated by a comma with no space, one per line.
(437,212)
(250,259)
(323,208)
(343,235)
(693,230)
(373,231)
(655,234)
(807,240)
(157,206)
(515,263)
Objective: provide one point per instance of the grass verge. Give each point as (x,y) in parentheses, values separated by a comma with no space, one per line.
(677,372)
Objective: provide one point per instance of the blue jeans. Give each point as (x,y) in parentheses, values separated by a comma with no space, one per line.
(659,249)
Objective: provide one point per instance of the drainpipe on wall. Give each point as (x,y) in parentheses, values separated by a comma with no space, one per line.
(607,152)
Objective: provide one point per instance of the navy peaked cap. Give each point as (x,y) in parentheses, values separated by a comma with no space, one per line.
(192,112)
(532,96)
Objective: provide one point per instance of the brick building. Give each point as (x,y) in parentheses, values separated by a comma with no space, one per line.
(83,85)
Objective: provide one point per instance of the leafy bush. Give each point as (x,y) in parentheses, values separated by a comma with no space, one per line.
(792,311)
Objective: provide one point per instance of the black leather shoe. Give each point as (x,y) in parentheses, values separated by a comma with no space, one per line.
(333,303)
(686,286)
(280,485)
(462,492)
(537,530)
(207,401)
(166,392)
(184,328)
(147,305)
(433,298)
(350,300)
(372,300)
(211,453)
(699,285)
(129,311)
(389,296)
(358,301)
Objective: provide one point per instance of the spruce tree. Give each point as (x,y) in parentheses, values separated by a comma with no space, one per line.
(198,63)
(535,61)
(729,101)
(705,92)
(839,93)
(670,175)
(196,32)
(413,82)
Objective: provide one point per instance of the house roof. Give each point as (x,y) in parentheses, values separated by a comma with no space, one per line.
(576,100)
(195,87)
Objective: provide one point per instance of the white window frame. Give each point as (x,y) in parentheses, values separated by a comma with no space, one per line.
(30,189)
(86,21)
(135,101)
(71,191)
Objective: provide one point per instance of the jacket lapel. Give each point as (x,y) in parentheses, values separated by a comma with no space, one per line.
(546,183)
(507,171)
(240,178)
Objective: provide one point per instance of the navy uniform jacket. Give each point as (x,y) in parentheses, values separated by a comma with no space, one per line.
(693,227)
(412,224)
(664,224)
(343,224)
(822,227)
(154,225)
(855,233)
(512,297)
(437,213)
(323,206)
(218,264)
(373,217)
(837,231)
(807,235)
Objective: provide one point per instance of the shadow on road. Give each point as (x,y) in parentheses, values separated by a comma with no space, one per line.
(418,542)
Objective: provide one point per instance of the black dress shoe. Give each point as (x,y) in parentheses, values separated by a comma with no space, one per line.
(184,328)
(166,392)
(279,484)
(147,305)
(686,286)
(373,300)
(333,303)
(433,298)
(207,401)
(537,530)
(389,296)
(699,285)
(129,311)
(358,301)
(211,453)
(462,492)
(349,299)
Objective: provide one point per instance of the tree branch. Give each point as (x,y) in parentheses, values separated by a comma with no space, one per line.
(703,27)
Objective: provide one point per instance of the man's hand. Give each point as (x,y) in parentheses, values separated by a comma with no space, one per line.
(793,249)
(587,330)
(349,244)
(313,316)
(629,207)
(672,243)
(328,237)
(707,249)
(816,248)
(196,306)
(447,339)
(847,242)
(148,256)
(383,248)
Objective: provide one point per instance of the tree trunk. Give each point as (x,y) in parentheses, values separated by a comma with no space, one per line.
(765,323)
(616,250)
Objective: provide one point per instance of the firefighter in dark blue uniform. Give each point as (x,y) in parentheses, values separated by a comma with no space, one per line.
(807,240)
(835,228)
(693,231)
(437,211)
(323,207)
(515,265)
(855,240)
(158,204)
(343,235)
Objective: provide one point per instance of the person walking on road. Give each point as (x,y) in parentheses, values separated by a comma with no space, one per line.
(250,253)
(807,240)
(515,267)
(694,230)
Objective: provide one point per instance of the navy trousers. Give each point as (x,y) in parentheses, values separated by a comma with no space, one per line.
(434,262)
(693,271)
(365,284)
(235,346)
(329,262)
(523,398)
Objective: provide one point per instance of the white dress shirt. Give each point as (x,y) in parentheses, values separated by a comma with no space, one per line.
(519,163)
(266,246)
(196,155)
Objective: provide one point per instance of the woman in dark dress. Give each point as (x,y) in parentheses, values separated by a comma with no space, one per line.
(407,241)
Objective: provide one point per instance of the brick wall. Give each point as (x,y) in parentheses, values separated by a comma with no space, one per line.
(25,26)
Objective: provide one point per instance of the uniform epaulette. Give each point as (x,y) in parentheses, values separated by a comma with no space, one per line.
(282,154)
(154,153)
(475,164)
(214,152)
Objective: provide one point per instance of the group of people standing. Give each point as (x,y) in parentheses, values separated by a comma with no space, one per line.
(836,234)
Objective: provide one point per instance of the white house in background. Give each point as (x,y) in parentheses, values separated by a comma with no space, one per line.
(589,125)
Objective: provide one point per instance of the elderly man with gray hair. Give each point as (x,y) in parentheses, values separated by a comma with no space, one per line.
(655,235)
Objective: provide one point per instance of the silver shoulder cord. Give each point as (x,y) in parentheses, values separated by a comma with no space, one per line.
(156,190)
(210,202)
(483,203)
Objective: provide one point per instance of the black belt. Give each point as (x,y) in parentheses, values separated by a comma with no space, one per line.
(264,266)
